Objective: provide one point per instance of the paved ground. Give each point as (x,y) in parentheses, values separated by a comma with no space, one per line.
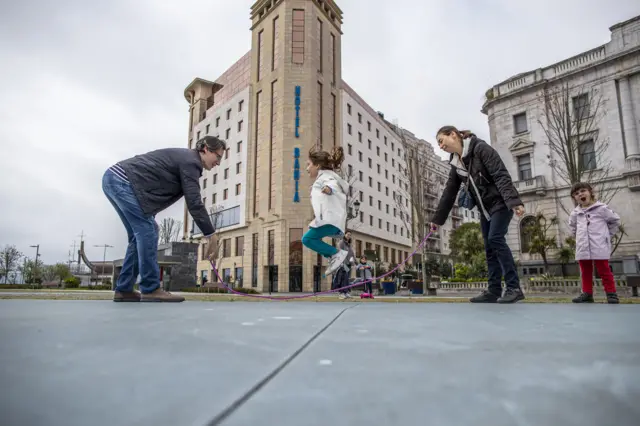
(99,363)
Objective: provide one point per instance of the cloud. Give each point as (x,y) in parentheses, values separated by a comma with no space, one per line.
(86,84)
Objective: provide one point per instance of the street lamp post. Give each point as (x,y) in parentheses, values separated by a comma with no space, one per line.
(35,265)
(353,212)
(104,255)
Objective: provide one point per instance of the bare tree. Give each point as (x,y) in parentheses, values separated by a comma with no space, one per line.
(570,121)
(9,258)
(411,200)
(169,230)
(353,222)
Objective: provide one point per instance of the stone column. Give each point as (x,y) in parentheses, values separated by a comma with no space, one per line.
(629,124)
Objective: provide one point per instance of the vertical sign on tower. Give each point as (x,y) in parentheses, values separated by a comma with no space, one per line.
(296,173)
(297,111)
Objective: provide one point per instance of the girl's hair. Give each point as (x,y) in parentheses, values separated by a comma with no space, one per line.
(447,130)
(325,160)
(582,185)
(211,142)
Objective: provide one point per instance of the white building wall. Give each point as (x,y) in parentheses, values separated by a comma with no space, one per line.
(613,70)
(223,122)
(367,138)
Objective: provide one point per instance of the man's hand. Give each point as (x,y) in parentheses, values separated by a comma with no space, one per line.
(519,210)
(326,190)
(212,248)
(433,227)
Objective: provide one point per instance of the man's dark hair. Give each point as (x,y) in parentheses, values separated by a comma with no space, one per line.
(211,142)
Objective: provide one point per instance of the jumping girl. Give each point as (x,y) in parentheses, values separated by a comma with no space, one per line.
(593,224)
(329,201)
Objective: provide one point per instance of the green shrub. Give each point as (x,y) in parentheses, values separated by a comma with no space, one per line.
(72,282)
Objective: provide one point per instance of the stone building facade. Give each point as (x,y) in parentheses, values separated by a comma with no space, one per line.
(283,97)
(602,92)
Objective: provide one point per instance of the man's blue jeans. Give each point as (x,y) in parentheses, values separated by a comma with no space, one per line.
(142,251)
(500,260)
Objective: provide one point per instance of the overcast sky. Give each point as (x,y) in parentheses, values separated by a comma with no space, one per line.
(85,84)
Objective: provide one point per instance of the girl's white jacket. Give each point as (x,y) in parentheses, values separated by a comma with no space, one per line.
(329,209)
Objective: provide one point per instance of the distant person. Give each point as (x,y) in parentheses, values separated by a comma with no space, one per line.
(593,224)
(365,270)
(329,202)
(142,186)
(341,278)
(486,183)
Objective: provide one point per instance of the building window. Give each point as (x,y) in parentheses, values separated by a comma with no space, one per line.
(350,171)
(319,38)
(587,155)
(227,134)
(525,235)
(349,109)
(225,194)
(360,176)
(240,104)
(239,126)
(207,129)
(349,147)
(260,54)
(524,167)
(239,246)
(297,40)
(319,117)
(229,114)
(370,163)
(218,122)
(581,108)
(349,128)
(360,156)
(238,189)
(275,48)
(370,200)
(520,123)
(226,173)
(359,137)
(239,149)
(226,247)
(254,260)
(359,118)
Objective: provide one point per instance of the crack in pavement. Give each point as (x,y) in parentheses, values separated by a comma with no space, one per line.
(224,414)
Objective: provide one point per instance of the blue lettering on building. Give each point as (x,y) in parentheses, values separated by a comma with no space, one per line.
(297,111)
(296,172)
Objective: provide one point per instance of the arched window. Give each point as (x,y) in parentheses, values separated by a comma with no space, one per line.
(525,237)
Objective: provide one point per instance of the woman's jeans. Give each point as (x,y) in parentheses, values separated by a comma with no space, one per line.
(499,257)
(142,251)
(312,239)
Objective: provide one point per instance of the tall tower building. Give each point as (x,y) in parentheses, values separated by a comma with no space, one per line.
(295,105)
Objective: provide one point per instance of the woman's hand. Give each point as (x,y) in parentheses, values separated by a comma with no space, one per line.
(519,210)
(326,190)
(433,227)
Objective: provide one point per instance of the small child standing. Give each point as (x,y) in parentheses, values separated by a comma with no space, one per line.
(329,202)
(594,224)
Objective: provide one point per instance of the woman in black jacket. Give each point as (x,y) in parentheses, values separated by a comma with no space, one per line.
(487,185)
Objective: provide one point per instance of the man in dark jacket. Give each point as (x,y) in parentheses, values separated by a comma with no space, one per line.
(478,167)
(142,186)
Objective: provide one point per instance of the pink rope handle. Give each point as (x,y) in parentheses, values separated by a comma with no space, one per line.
(302,296)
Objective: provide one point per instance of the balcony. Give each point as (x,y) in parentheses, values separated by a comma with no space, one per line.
(456,213)
(536,185)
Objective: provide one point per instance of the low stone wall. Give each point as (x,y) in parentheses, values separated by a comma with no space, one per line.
(572,286)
